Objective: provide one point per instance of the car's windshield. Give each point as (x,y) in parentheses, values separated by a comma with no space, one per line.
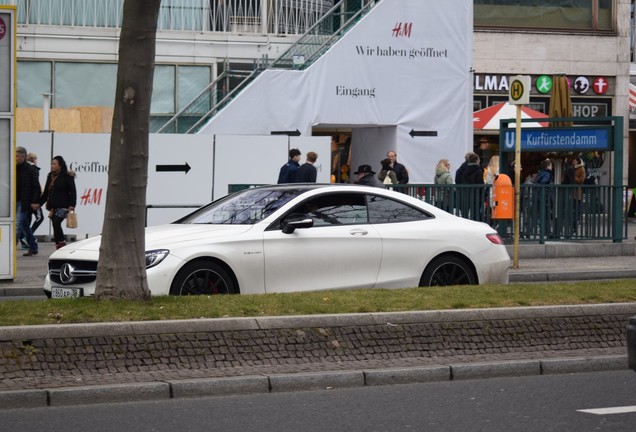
(246,207)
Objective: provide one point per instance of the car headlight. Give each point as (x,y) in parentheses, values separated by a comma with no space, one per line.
(154,257)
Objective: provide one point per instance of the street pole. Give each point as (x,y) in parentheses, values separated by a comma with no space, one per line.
(515,258)
(519,94)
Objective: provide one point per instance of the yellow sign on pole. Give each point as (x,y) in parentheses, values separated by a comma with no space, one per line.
(519,94)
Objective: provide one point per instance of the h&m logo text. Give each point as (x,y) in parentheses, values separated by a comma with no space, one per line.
(402,29)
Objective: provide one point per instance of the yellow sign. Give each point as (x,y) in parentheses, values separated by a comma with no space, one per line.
(516,90)
(519,93)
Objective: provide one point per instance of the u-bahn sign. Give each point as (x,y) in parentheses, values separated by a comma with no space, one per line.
(560,139)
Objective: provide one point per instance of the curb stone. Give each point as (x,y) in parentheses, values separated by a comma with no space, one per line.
(109,393)
(303,381)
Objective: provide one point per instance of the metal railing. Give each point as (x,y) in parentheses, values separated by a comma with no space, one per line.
(322,35)
(547,212)
(211,99)
(284,17)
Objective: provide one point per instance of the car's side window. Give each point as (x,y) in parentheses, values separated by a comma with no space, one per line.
(384,210)
(335,209)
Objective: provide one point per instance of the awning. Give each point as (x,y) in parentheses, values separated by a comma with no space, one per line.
(488,118)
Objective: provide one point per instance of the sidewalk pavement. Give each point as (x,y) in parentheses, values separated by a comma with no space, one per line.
(538,263)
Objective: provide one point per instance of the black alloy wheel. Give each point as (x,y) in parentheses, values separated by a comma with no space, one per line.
(202,278)
(448,270)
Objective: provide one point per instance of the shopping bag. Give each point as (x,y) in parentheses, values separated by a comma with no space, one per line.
(71,220)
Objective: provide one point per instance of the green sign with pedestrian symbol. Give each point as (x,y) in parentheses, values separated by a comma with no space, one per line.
(544,84)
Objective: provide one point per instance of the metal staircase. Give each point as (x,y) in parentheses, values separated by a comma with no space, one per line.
(302,54)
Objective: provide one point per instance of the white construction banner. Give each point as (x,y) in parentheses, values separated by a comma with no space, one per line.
(403,69)
(184,171)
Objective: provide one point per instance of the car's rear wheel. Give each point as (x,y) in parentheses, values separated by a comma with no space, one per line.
(448,270)
(202,278)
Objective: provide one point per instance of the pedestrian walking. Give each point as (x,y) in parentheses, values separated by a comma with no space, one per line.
(27,199)
(60,197)
(32,158)
(307,172)
(287,173)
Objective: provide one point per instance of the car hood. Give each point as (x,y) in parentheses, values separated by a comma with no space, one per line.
(167,236)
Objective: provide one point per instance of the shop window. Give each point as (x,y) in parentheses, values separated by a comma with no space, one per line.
(34,79)
(191,80)
(586,15)
(163,90)
(84,84)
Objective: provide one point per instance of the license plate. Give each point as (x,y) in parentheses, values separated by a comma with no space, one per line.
(57,292)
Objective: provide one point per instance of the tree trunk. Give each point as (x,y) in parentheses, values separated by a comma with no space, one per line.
(121,271)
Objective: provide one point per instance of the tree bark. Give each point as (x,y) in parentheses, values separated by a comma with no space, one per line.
(121,271)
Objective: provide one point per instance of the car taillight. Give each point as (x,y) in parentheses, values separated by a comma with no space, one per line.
(494,238)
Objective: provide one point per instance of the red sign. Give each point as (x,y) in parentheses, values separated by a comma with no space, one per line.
(3,28)
(600,85)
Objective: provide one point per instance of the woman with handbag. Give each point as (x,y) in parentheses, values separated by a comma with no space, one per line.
(60,197)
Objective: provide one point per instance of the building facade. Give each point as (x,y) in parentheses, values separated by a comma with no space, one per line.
(68,48)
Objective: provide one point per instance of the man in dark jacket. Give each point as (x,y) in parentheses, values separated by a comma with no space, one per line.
(287,172)
(307,172)
(400,170)
(27,198)
(471,198)
(473,173)
(459,174)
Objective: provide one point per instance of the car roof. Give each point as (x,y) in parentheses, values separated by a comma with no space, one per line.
(343,187)
(312,186)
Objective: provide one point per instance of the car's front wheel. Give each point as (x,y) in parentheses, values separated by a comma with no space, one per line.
(448,270)
(202,278)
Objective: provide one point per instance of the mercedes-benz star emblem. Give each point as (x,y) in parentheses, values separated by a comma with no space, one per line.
(66,274)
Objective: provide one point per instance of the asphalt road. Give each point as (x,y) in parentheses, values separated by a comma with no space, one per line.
(535,403)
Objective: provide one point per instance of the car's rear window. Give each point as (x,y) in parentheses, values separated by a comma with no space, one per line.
(385,210)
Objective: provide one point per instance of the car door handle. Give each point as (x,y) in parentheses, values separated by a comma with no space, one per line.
(358,232)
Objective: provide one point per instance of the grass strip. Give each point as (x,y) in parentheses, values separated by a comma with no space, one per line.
(89,310)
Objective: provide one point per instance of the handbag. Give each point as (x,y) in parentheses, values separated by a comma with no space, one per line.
(71,220)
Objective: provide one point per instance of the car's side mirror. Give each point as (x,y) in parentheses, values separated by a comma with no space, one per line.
(296,220)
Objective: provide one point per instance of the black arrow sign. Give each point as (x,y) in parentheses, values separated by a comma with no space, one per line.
(415,133)
(289,133)
(173,168)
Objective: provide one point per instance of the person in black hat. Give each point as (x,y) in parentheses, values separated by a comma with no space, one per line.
(366,176)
